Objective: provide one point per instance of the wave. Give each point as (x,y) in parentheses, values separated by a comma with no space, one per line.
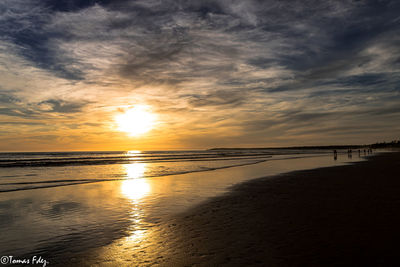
(125,159)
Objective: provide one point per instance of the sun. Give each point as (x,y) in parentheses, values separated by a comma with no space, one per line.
(136,121)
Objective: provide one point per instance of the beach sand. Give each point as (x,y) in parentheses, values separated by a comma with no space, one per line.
(334,216)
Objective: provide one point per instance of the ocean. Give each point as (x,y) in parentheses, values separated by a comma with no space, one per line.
(23,171)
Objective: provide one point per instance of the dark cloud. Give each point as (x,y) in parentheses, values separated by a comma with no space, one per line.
(18,112)
(15,107)
(25,26)
(61,106)
(71,5)
(7,99)
(368,79)
(21,123)
(321,38)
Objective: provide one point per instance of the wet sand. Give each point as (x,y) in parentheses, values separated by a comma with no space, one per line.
(334,216)
(331,216)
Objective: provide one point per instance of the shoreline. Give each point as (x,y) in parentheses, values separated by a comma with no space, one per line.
(341,215)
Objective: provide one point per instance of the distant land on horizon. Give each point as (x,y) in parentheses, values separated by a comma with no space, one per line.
(392,144)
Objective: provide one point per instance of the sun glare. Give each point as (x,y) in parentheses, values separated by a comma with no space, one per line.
(136,121)
(135,187)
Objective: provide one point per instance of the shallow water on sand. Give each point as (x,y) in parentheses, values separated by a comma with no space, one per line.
(63,224)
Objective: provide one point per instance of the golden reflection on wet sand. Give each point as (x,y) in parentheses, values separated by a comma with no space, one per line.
(151,238)
(132,250)
(135,188)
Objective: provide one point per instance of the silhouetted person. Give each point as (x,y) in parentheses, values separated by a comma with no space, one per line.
(359,153)
(349,154)
(335,154)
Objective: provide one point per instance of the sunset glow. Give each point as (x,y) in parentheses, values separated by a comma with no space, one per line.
(136,121)
(99,75)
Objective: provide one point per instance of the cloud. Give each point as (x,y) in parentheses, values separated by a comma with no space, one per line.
(7,99)
(23,24)
(15,107)
(23,113)
(218,98)
(60,106)
(260,68)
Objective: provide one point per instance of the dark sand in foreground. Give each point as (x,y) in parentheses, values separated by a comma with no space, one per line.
(347,215)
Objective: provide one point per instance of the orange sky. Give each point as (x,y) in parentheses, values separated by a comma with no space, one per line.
(215,73)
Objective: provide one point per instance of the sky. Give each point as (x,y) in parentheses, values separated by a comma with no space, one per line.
(220,73)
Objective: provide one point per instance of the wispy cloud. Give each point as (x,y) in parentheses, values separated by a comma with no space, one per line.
(271,72)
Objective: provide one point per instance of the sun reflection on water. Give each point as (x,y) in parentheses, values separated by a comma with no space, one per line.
(135,188)
(134,152)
